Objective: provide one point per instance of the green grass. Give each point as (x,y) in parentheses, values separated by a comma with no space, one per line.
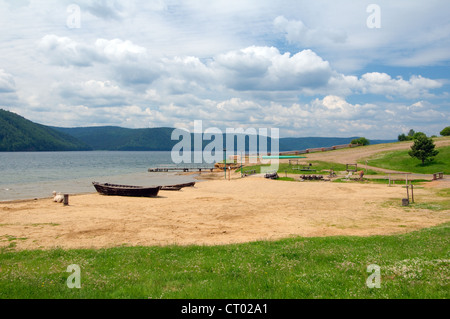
(320,167)
(401,161)
(382,181)
(413,265)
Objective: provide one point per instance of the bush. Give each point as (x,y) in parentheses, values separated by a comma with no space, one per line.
(362,140)
(417,134)
(403,137)
(445,131)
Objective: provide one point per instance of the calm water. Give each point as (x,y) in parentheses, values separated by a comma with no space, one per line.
(37,174)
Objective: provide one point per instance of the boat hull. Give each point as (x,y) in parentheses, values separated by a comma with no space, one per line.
(126,190)
(177,187)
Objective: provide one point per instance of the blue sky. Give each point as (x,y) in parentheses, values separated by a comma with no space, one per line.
(309,68)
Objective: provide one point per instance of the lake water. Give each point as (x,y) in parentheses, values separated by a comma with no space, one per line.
(26,175)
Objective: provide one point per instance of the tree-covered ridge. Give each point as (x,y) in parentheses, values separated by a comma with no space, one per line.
(19,134)
(113,138)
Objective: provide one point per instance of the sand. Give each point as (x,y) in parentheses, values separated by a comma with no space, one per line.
(216,212)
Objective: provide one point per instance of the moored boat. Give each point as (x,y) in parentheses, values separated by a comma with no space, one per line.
(126,190)
(170,188)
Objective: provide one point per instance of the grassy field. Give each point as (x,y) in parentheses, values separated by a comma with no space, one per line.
(320,167)
(414,265)
(401,161)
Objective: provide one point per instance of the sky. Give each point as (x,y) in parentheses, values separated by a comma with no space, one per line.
(336,68)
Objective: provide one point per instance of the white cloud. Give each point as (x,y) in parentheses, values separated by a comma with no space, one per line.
(67,52)
(265,68)
(383,84)
(298,65)
(297,33)
(7,83)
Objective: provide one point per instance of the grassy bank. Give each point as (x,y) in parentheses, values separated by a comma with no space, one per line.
(414,265)
(401,161)
(319,167)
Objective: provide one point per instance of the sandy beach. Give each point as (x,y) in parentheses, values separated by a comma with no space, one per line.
(216,212)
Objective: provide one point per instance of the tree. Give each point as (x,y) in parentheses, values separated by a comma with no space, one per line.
(417,134)
(402,137)
(423,149)
(362,140)
(411,133)
(445,131)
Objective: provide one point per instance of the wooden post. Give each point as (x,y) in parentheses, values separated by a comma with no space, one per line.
(66,199)
(412,193)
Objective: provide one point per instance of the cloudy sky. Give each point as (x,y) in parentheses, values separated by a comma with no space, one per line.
(310,68)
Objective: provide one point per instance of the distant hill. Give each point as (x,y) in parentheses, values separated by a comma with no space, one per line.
(159,139)
(19,134)
(113,138)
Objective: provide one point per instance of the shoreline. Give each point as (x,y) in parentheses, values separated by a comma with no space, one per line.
(216,212)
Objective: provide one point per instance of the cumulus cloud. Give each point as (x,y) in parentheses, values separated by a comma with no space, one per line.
(129,63)
(94,93)
(64,51)
(383,84)
(265,68)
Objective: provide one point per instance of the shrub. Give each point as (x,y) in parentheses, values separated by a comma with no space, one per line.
(445,131)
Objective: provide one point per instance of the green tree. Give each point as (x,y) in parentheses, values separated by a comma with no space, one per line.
(402,137)
(362,140)
(445,131)
(423,149)
(411,133)
(417,134)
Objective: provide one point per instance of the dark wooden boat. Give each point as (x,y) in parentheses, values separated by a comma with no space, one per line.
(177,187)
(126,190)
(170,188)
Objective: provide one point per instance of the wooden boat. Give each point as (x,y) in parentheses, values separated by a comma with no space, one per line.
(126,190)
(170,188)
(177,187)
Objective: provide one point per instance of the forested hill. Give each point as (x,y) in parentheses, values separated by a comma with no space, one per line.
(19,134)
(113,138)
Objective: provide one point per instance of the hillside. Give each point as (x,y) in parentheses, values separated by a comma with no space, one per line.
(19,134)
(159,139)
(113,138)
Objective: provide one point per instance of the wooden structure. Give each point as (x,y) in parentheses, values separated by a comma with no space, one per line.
(439,175)
(355,169)
(311,177)
(126,190)
(393,180)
